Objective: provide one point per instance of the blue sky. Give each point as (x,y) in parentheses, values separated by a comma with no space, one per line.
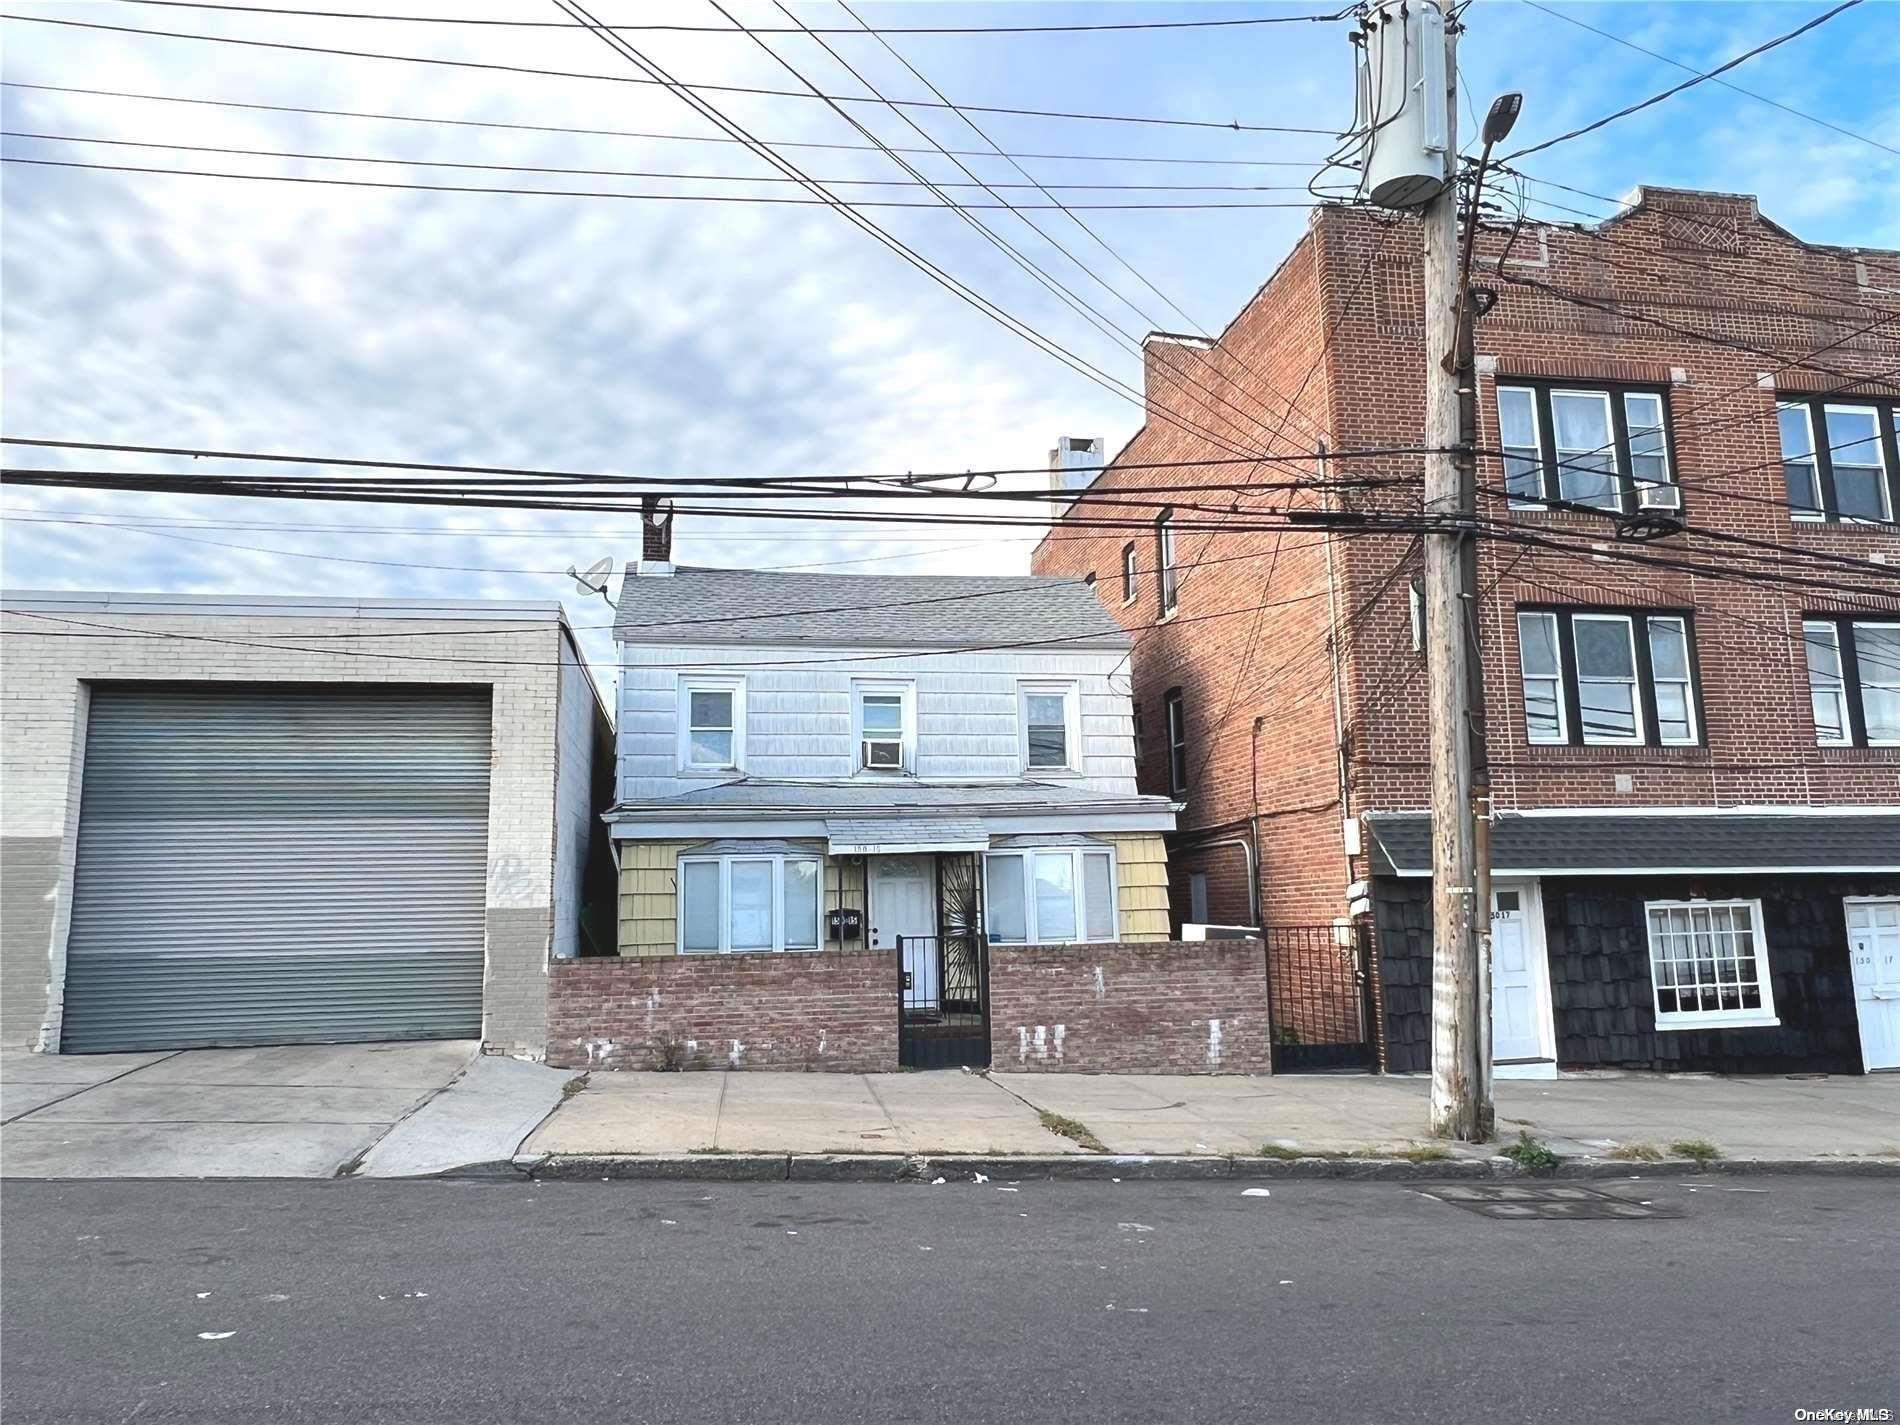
(721,338)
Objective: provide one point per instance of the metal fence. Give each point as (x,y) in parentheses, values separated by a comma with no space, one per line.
(943,992)
(1320,993)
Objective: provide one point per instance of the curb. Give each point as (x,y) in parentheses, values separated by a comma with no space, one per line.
(1106,1167)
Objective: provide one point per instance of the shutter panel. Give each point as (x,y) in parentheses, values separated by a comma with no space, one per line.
(276,865)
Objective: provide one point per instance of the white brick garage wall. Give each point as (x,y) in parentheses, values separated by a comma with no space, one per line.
(57,645)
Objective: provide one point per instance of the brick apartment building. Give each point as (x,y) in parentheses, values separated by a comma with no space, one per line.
(1696,770)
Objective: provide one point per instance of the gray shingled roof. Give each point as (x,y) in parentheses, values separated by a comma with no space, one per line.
(841,797)
(724,606)
(1691,841)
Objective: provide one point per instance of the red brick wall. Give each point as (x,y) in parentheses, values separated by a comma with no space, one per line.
(1337,333)
(1195,1007)
(835,1010)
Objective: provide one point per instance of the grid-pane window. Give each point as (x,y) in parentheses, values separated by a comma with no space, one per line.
(1860,469)
(1164,540)
(1050,895)
(1827,688)
(1675,689)
(1709,964)
(1877,660)
(1128,572)
(748,904)
(1586,448)
(1649,450)
(1798,466)
(710,727)
(1523,457)
(1542,668)
(1606,679)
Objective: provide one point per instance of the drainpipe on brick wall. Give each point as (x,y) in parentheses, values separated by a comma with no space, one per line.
(1339,705)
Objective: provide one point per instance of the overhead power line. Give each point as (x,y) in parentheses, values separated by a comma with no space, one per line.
(1163,121)
(1671,92)
(639,133)
(764,30)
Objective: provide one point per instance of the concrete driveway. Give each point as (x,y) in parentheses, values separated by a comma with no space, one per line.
(294,1111)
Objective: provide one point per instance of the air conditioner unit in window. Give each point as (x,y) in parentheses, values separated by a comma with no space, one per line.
(884,755)
(1660,496)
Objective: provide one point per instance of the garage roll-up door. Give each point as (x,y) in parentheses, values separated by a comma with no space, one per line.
(278,865)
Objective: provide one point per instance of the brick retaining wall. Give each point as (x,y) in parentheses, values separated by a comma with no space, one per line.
(835,1010)
(1193,1007)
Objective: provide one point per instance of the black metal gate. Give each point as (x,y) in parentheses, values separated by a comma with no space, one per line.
(943,1001)
(1319,989)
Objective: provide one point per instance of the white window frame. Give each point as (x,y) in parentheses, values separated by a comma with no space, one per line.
(1609,449)
(1071,694)
(1880,462)
(903,689)
(1165,573)
(1077,855)
(725,864)
(1656,680)
(1520,502)
(1819,513)
(1131,573)
(1562,738)
(1662,494)
(1829,632)
(1864,681)
(1635,679)
(1764,1016)
(710,683)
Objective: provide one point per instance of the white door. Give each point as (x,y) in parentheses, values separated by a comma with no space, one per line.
(903,903)
(1520,980)
(1873,943)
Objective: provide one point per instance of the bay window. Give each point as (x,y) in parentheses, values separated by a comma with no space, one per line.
(1853,680)
(1605,446)
(1839,459)
(1709,964)
(1049,895)
(748,903)
(1599,677)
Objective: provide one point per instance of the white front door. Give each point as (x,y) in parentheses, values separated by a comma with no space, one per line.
(903,903)
(1521,1035)
(1873,946)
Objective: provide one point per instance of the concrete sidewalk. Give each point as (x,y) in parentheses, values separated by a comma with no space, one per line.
(943,1113)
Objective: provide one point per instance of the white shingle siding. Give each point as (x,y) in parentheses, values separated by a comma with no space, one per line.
(799,719)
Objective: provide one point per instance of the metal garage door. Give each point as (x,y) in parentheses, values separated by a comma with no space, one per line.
(278,865)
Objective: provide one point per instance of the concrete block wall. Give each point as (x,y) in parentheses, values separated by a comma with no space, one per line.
(1195,1007)
(825,1011)
(42,743)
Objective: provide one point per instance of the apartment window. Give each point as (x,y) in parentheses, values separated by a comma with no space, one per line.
(1606,678)
(1603,446)
(1164,563)
(1050,731)
(884,725)
(712,724)
(1840,460)
(739,904)
(1709,964)
(1128,573)
(1177,740)
(1049,895)
(1853,681)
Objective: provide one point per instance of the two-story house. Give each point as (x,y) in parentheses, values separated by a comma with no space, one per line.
(832,762)
(1694,735)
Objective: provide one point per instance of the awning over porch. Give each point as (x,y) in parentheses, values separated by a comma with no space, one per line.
(903,835)
(1609,844)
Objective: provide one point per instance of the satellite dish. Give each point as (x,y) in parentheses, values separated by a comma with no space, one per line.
(593,579)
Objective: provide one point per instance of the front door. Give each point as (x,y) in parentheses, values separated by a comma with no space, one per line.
(1520,982)
(903,904)
(1873,943)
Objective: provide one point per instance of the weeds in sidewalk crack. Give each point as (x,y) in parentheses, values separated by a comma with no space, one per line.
(1700,1150)
(1065,1127)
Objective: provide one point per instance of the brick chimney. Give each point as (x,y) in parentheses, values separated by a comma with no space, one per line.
(656,535)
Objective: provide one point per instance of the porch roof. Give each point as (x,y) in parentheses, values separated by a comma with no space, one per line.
(1655,843)
(892,835)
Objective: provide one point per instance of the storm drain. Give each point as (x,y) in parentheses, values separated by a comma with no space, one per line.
(1546,1201)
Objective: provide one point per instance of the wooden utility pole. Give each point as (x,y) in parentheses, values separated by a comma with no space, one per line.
(1460,1105)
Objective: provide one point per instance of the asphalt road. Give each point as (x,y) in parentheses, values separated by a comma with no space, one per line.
(1096,1302)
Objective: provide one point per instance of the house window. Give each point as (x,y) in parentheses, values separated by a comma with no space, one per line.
(1709,965)
(712,724)
(735,904)
(1164,563)
(1049,727)
(1128,573)
(1177,741)
(1599,678)
(1603,446)
(885,725)
(1839,460)
(1049,895)
(1853,681)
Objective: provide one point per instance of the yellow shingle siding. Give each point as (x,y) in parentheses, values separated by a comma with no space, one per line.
(649,917)
(1141,875)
